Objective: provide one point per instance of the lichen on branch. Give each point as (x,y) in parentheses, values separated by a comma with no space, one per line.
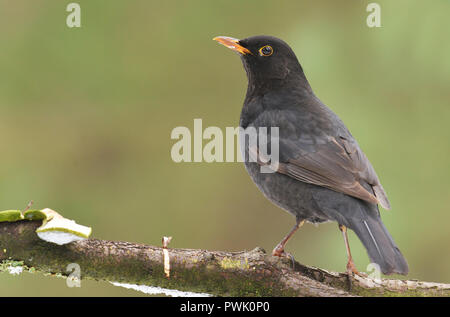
(221,273)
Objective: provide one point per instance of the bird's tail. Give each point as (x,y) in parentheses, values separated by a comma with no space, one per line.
(379,244)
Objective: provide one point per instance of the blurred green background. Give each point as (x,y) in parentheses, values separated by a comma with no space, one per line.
(86,116)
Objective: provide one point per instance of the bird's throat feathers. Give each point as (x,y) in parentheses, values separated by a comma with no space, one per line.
(286,76)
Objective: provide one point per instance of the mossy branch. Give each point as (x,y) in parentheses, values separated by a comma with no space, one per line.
(246,273)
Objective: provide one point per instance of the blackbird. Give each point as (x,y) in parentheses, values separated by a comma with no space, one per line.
(321,174)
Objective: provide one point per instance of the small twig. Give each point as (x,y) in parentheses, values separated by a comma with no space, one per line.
(27,207)
(165,242)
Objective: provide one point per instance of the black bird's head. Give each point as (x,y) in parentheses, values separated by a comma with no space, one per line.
(268,61)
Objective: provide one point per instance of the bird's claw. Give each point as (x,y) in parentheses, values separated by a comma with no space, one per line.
(279,252)
(351,269)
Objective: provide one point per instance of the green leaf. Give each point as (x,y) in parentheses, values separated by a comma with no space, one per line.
(34,215)
(10,215)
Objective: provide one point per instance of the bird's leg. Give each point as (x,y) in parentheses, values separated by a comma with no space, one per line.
(279,249)
(351,268)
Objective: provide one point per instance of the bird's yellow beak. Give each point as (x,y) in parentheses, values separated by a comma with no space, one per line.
(232,44)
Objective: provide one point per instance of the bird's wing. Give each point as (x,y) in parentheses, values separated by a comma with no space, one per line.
(337,163)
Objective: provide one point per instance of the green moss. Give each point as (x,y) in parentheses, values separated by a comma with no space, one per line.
(10,263)
(201,279)
(373,292)
(228,263)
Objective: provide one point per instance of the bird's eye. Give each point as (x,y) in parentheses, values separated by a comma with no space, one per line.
(266,50)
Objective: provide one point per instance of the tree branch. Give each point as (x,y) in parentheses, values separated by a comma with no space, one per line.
(246,273)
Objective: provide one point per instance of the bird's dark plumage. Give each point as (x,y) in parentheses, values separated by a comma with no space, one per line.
(322,173)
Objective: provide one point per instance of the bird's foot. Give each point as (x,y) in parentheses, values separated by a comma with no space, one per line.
(279,252)
(351,269)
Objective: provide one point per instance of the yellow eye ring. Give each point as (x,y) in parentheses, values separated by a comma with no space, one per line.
(266,50)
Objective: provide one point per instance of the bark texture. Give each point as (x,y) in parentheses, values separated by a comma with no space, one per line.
(220,273)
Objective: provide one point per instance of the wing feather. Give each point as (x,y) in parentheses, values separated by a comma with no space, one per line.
(339,165)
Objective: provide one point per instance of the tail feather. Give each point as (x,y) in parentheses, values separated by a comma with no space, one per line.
(379,244)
